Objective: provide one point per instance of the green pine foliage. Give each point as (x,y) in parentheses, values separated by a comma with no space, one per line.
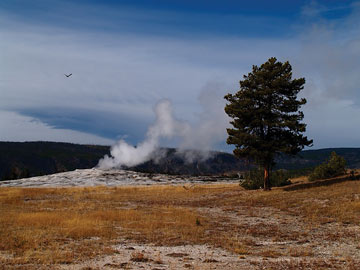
(266,117)
(335,166)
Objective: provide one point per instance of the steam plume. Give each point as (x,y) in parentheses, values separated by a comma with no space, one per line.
(199,138)
(166,126)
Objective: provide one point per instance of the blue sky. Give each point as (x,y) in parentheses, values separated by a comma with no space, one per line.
(126,56)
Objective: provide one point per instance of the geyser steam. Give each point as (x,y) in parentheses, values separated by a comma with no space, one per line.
(165,126)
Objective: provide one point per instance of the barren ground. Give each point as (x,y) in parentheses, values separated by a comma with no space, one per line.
(188,226)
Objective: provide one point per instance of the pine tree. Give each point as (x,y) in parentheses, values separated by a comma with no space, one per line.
(266,117)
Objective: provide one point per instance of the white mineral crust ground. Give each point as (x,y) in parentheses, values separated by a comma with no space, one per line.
(114,177)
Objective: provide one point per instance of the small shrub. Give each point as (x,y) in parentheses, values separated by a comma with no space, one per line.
(280,178)
(335,166)
(254,179)
(198,223)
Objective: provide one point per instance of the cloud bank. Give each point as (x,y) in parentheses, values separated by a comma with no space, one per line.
(120,72)
(23,128)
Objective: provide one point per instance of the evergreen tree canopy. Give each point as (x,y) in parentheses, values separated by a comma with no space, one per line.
(266,116)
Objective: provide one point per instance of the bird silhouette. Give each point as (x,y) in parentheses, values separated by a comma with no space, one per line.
(67,76)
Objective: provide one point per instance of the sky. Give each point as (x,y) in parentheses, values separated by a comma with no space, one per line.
(127,56)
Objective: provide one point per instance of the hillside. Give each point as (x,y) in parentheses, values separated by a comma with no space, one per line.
(19,160)
(174,162)
(312,158)
(26,159)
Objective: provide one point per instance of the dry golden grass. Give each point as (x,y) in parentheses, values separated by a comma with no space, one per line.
(338,202)
(49,226)
(300,179)
(301,252)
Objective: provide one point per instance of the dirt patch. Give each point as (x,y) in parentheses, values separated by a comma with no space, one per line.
(162,257)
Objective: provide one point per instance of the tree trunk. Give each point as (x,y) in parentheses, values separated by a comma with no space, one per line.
(267,177)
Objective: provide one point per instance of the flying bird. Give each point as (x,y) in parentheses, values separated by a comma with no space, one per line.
(68,75)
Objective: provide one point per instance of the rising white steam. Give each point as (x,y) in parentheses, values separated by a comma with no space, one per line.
(166,126)
(195,141)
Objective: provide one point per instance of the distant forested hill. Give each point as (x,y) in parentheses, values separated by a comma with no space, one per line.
(192,162)
(312,158)
(24,159)
(19,160)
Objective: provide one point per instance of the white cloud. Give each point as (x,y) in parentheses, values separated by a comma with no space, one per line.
(333,124)
(117,73)
(123,73)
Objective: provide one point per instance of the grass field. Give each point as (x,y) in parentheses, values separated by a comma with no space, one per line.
(49,228)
